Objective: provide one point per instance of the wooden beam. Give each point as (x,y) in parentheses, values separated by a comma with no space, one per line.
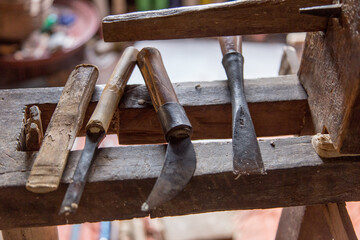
(278,107)
(122,177)
(330,74)
(329,221)
(245,17)
(35,233)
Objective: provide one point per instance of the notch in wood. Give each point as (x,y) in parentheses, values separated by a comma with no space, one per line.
(332,10)
(33,129)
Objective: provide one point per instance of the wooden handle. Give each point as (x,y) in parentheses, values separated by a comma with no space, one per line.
(156,78)
(113,91)
(230,44)
(62,130)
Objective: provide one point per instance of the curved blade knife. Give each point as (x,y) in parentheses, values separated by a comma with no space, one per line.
(246,152)
(97,127)
(180,159)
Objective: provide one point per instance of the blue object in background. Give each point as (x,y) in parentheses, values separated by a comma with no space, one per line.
(75,232)
(175,3)
(67,18)
(105,228)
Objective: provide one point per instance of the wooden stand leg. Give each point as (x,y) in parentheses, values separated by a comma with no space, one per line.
(330,221)
(36,233)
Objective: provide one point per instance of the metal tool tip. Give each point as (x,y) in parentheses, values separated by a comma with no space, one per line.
(145,207)
(65,210)
(74,206)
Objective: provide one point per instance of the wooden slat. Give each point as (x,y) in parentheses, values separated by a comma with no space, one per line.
(122,177)
(329,221)
(278,107)
(330,73)
(245,17)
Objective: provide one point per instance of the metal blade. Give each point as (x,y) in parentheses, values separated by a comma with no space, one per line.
(179,166)
(246,152)
(76,187)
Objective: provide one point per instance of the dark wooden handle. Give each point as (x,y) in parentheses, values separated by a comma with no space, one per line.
(230,44)
(156,78)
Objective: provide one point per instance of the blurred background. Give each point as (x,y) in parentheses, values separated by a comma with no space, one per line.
(41,41)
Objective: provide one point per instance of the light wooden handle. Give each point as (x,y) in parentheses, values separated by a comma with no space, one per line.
(113,91)
(156,78)
(62,130)
(230,44)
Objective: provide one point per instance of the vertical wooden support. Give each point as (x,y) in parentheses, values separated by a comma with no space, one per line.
(330,74)
(330,221)
(36,233)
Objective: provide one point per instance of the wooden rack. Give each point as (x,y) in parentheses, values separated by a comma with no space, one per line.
(122,177)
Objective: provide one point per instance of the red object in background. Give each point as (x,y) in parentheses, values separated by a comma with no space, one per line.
(85,26)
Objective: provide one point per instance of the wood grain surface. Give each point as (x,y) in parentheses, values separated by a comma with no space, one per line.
(278,106)
(328,221)
(122,177)
(63,128)
(34,233)
(246,17)
(330,73)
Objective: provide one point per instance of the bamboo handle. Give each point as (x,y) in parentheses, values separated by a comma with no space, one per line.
(156,78)
(113,91)
(230,44)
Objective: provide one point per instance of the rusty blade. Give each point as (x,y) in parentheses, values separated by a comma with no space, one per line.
(179,166)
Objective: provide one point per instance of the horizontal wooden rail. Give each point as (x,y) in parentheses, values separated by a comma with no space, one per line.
(278,107)
(224,19)
(122,177)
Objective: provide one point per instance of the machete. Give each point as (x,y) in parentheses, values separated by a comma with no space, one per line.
(246,152)
(180,159)
(97,126)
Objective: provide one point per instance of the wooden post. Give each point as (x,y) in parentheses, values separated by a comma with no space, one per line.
(35,233)
(330,74)
(329,221)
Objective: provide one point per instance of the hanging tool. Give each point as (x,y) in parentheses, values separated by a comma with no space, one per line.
(246,152)
(62,130)
(98,125)
(180,159)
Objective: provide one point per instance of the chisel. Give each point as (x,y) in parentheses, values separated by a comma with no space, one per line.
(246,152)
(97,126)
(180,158)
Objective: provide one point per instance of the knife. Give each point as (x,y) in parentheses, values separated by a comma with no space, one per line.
(97,127)
(180,158)
(246,152)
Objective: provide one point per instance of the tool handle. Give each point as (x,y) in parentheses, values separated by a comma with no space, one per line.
(156,78)
(113,91)
(230,44)
(171,114)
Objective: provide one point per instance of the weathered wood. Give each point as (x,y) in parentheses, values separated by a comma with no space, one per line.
(278,106)
(330,74)
(33,129)
(63,128)
(246,17)
(329,221)
(35,233)
(122,177)
(325,148)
